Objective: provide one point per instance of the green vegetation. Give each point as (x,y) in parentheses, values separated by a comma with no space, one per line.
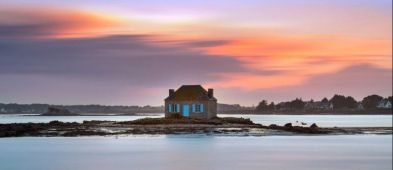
(371,102)
(337,104)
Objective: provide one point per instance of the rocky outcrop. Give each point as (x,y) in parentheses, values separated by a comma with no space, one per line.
(299,129)
(218,126)
(190,121)
(314,125)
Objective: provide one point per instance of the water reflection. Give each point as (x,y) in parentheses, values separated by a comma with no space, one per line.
(366,152)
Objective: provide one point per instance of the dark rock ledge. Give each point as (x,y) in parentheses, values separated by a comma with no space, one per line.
(152,126)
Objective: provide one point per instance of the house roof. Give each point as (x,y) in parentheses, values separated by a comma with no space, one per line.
(190,92)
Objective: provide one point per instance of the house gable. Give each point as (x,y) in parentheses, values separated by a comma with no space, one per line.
(190,93)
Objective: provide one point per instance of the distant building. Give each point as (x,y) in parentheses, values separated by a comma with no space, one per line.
(384,104)
(311,105)
(327,106)
(191,101)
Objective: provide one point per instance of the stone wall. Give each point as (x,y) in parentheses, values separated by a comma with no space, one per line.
(210,109)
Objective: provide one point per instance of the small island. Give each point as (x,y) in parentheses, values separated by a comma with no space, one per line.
(189,110)
(228,126)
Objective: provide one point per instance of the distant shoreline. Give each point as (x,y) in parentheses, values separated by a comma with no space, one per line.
(334,112)
(98,110)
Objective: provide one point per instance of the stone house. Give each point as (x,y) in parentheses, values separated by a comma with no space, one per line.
(191,101)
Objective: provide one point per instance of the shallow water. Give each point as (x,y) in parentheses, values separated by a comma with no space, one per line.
(321,120)
(179,152)
(8,118)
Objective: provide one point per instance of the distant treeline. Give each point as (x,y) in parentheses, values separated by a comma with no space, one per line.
(14,108)
(338,103)
(234,109)
(42,108)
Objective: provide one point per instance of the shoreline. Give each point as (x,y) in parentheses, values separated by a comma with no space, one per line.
(162,126)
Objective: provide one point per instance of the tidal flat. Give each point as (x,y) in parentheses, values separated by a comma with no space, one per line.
(228,126)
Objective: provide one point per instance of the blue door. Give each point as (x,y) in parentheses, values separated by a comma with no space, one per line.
(186,111)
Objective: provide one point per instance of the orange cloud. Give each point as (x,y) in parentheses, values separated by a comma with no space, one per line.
(59,23)
(296,55)
(297,58)
(248,81)
(85,24)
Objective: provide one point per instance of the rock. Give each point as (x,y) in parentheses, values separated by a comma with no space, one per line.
(273,126)
(314,125)
(288,125)
(168,121)
(176,116)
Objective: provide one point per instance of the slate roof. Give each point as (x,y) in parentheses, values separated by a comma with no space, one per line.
(190,92)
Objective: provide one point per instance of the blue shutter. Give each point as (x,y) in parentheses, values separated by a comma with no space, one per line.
(178,108)
(193,108)
(202,108)
(170,107)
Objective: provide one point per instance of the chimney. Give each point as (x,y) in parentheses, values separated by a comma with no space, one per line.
(171,92)
(210,93)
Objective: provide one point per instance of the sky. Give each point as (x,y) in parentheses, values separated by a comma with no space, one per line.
(132,52)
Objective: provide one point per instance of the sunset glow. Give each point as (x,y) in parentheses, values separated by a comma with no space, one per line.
(247,46)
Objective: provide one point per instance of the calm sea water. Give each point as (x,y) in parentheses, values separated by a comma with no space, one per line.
(194,152)
(321,120)
(178,152)
(9,118)
(324,120)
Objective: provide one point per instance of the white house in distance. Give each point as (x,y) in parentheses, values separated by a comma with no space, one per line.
(384,104)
